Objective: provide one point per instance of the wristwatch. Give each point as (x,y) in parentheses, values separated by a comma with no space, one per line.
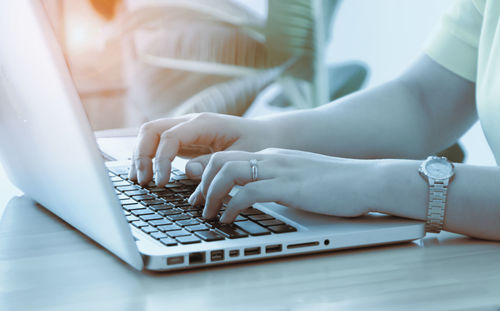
(438,172)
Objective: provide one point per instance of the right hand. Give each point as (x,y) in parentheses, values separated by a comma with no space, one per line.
(164,139)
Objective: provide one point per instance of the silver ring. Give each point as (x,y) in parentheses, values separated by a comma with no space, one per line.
(254,169)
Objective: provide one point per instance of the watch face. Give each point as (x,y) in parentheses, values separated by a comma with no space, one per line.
(439,168)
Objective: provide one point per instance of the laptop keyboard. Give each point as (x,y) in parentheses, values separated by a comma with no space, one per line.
(165,214)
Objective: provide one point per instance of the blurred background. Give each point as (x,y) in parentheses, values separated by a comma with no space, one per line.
(371,42)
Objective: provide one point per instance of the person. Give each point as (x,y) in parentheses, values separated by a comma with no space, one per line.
(361,153)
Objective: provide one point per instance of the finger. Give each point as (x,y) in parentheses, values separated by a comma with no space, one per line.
(186,133)
(196,198)
(215,164)
(232,173)
(195,167)
(255,192)
(132,173)
(148,139)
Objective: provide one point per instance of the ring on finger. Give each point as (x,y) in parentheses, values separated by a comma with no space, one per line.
(254,169)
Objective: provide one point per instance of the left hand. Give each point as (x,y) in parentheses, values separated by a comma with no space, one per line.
(308,181)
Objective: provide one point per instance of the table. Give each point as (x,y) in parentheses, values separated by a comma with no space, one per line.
(46,265)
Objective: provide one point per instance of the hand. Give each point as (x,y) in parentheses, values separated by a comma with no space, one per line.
(192,135)
(308,181)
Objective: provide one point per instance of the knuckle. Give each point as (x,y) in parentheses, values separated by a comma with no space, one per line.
(147,127)
(269,151)
(203,116)
(166,135)
(217,158)
(227,169)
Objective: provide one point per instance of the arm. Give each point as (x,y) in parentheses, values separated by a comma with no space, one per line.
(421,112)
(349,188)
(473,206)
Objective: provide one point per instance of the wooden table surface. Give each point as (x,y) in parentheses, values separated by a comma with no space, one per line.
(46,265)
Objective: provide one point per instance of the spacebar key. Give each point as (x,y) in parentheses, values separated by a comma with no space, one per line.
(252,228)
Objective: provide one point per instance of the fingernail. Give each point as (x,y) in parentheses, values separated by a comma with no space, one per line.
(195,169)
(192,198)
(140,177)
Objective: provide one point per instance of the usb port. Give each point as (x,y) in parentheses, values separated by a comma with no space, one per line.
(175,260)
(196,258)
(234,253)
(217,255)
(252,251)
(274,248)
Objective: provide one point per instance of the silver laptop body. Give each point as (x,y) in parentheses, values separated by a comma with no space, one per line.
(49,152)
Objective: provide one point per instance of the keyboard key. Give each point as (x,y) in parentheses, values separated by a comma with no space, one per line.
(150,217)
(161,207)
(170,227)
(195,213)
(115,179)
(199,227)
(282,229)
(272,222)
(168,241)
(251,211)
(178,217)
(172,211)
(119,170)
(260,217)
(136,192)
(128,188)
(240,218)
(173,185)
(187,222)
(140,212)
(139,223)
(149,229)
(166,194)
(126,213)
(188,239)
(177,233)
(209,236)
(159,235)
(158,190)
(231,231)
(131,218)
(153,202)
(252,228)
(132,207)
(144,197)
(128,202)
(189,182)
(121,183)
(159,222)
(122,197)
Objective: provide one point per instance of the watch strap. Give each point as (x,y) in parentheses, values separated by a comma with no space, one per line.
(438,190)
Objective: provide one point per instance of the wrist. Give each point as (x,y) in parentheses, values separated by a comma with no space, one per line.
(399,189)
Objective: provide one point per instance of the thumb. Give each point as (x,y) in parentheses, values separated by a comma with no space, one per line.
(196,166)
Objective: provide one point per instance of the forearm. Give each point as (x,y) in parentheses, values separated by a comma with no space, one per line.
(387,121)
(421,112)
(473,206)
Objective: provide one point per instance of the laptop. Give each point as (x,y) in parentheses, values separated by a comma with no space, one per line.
(50,152)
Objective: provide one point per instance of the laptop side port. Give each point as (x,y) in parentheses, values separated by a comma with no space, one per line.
(234,253)
(274,248)
(252,251)
(300,245)
(217,255)
(197,258)
(175,260)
